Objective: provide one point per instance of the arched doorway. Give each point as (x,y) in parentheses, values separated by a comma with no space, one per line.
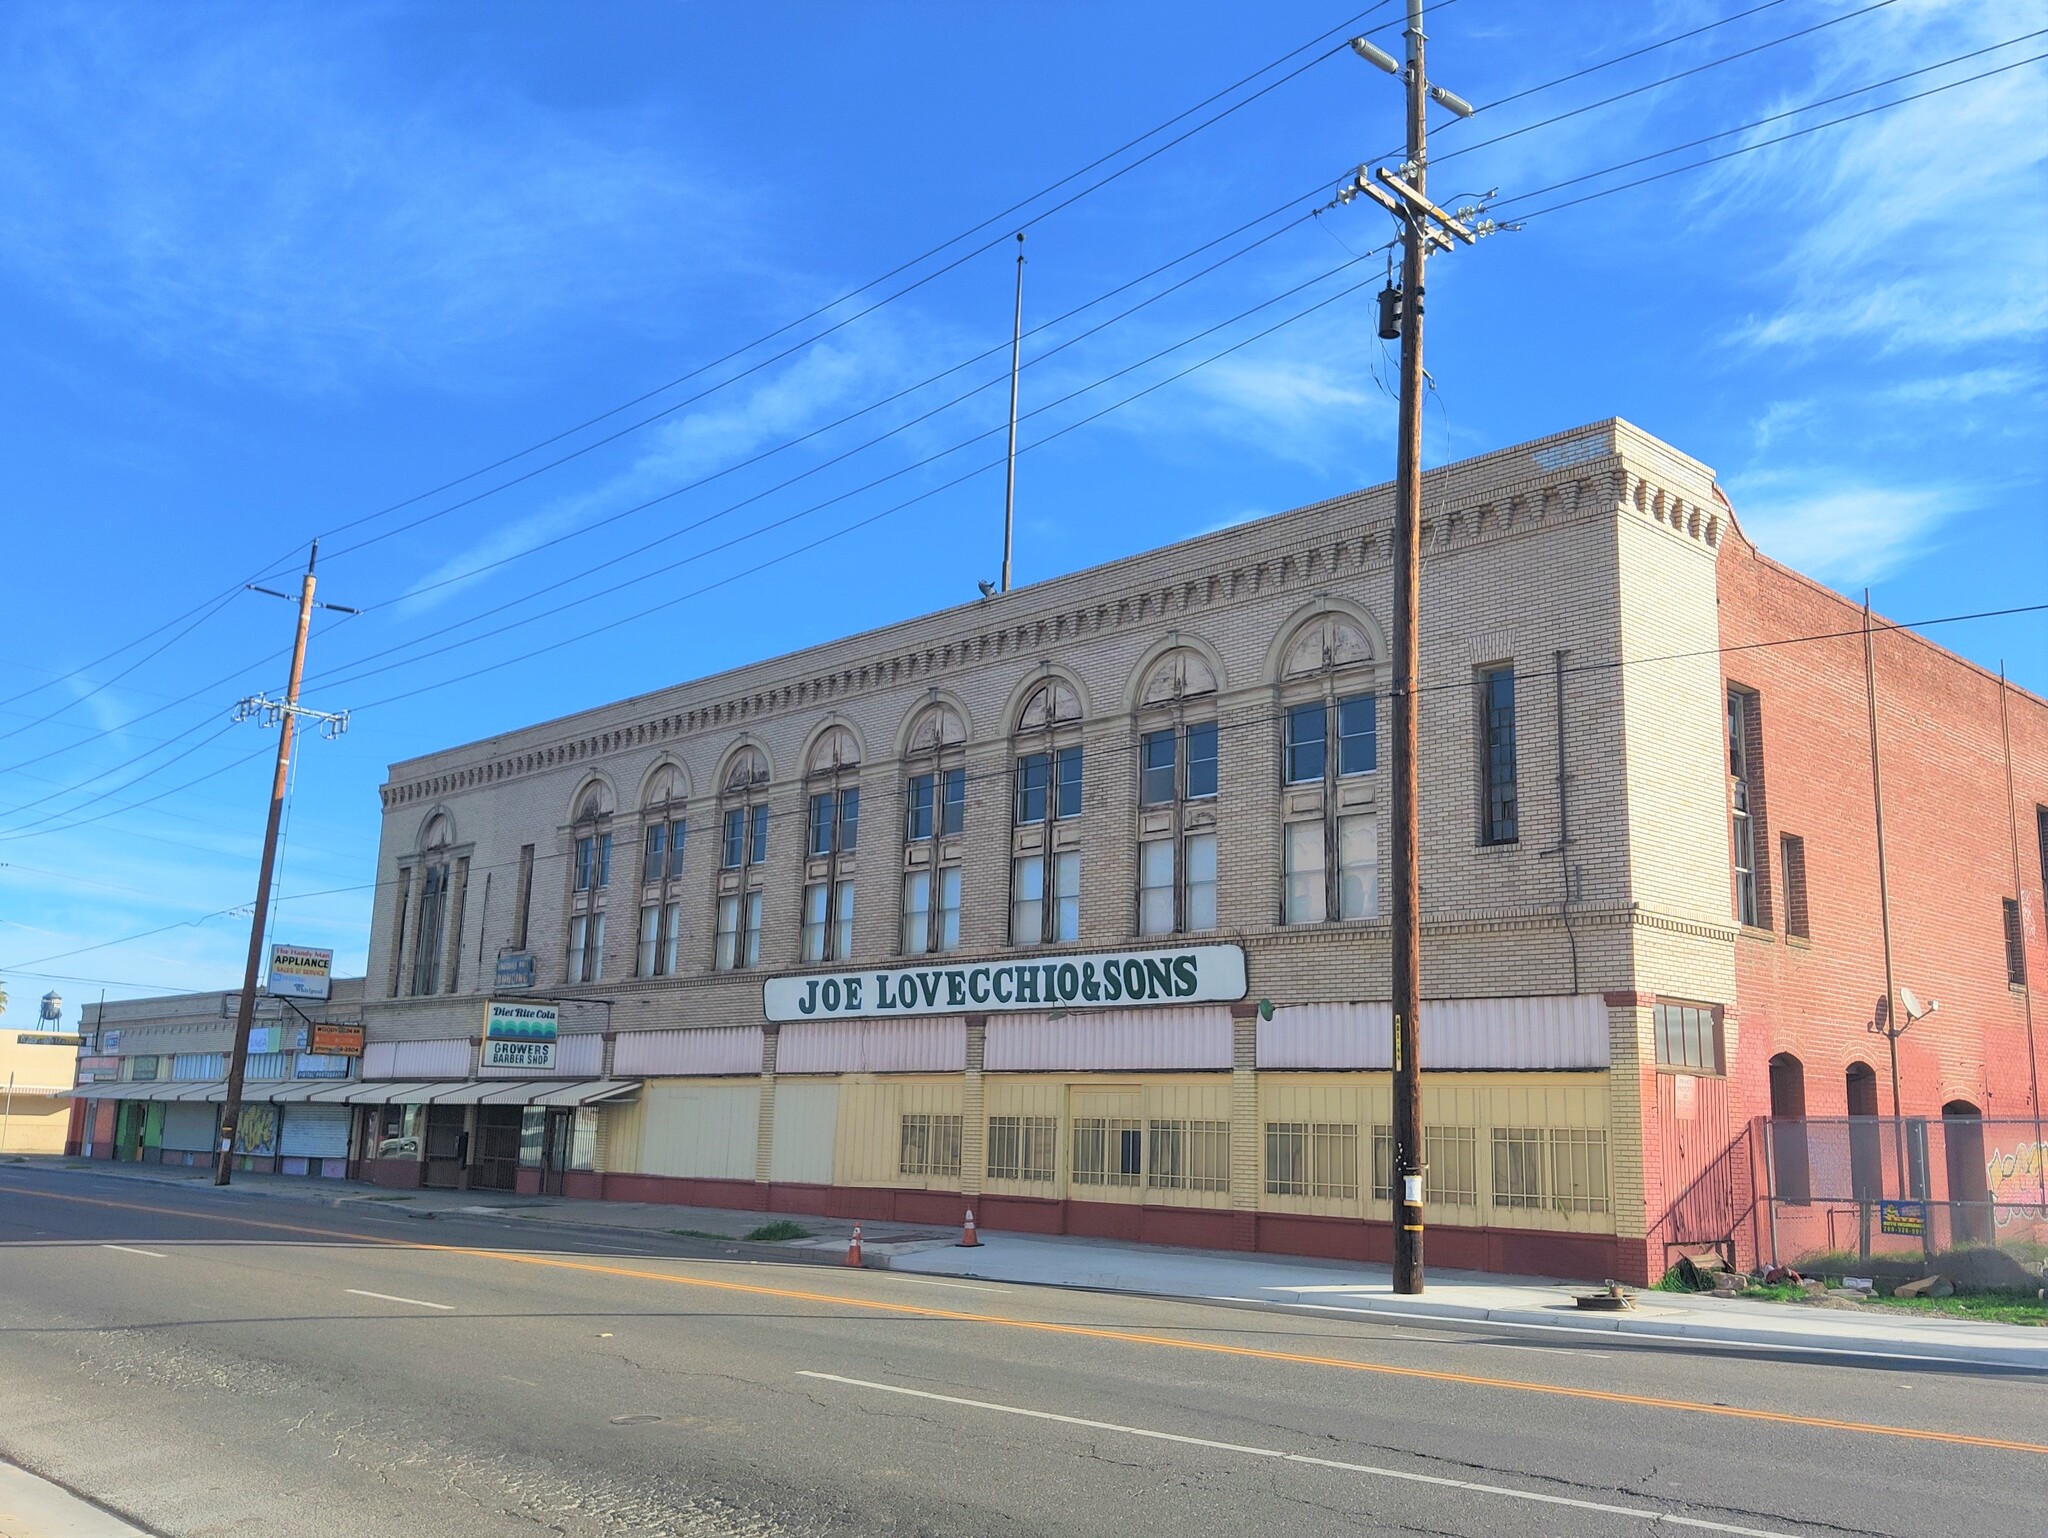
(1866,1147)
(1791,1178)
(1969,1197)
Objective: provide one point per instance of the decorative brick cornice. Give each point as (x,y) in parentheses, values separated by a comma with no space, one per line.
(1598,486)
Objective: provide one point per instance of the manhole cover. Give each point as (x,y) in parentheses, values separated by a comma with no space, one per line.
(634,1420)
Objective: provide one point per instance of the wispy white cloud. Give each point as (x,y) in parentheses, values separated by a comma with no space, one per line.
(783,405)
(254,199)
(1839,531)
(1968,385)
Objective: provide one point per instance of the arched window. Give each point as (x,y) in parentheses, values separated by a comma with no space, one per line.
(1329,758)
(1177,774)
(431,921)
(935,817)
(590,865)
(1792,1180)
(742,852)
(1045,838)
(663,840)
(831,836)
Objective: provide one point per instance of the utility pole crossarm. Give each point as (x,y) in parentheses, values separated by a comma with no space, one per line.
(1417,204)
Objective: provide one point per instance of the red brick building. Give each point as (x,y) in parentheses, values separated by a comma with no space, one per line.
(1963,765)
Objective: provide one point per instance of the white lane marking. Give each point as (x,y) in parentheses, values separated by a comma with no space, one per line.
(128,1249)
(1406,1476)
(1700,1342)
(933,1281)
(385,1297)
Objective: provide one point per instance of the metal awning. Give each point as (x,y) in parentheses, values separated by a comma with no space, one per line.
(590,1092)
(304,1089)
(491,1092)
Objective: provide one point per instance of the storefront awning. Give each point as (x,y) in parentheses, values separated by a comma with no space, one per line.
(494,1092)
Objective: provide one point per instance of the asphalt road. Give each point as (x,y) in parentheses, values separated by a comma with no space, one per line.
(209,1364)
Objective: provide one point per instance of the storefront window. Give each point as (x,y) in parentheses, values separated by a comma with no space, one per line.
(533,1131)
(583,1139)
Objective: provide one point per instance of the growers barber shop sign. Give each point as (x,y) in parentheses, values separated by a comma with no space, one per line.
(1200,974)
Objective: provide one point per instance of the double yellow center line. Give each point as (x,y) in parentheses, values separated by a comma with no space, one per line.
(1087,1332)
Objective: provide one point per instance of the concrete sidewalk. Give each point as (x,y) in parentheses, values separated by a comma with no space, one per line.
(1533,1305)
(1526,1305)
(32,1507)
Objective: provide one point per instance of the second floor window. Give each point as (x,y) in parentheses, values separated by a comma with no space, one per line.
(742,852)
(1741,824)
(590,861)
(1177,827)
(831,838)
(1500,811)
(664,841)
(1329,755)
(594,861)
(938,804)
(1045,834)
(935,818)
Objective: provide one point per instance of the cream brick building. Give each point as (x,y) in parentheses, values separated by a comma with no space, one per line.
(524,866)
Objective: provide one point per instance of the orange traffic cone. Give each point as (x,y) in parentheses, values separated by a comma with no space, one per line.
(969,1239)
(853,1247)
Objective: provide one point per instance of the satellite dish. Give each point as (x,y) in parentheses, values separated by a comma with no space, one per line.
(1914,1008)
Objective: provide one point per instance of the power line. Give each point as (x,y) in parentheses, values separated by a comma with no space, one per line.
(1750,149)
(890,298)
(821,310)
(1654,85)
(1243,722)
(1517,197)
(923,496)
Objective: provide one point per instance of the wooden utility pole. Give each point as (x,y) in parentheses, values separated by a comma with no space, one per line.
(1407,882)
(286,715)
(1406,196)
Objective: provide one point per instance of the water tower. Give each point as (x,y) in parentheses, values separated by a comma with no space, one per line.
(52,1013)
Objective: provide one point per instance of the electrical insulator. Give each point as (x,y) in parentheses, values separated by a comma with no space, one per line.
(1390,313)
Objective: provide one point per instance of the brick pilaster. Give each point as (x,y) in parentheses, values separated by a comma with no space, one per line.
(974,1111)
(1244,1126)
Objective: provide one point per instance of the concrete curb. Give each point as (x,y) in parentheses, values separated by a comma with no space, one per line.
(34,1507)
(880,1258)
(1984,1354)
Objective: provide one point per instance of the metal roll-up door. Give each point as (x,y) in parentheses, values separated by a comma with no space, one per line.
(314,1131)
(189,1125)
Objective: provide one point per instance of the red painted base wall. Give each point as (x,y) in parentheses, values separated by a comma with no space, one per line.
(1512,1251)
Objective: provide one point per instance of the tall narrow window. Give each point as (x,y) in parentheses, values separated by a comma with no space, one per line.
(1045,855)
(832,836)
(1792,856)
(1743,834)
(664,840)
(742,853)
(590,867)
(2015,943)
(1499,811)
(1177,782)
(1329,756)
(522,898)
(426,955)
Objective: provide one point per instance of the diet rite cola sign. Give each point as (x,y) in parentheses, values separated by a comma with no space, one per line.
(515,1020)
(1199,974)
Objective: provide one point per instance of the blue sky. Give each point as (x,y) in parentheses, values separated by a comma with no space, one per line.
(272,269)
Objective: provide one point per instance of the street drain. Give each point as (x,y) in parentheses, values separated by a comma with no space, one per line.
(634,1420)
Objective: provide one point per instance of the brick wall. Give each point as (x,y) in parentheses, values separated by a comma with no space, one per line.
(1948,846)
